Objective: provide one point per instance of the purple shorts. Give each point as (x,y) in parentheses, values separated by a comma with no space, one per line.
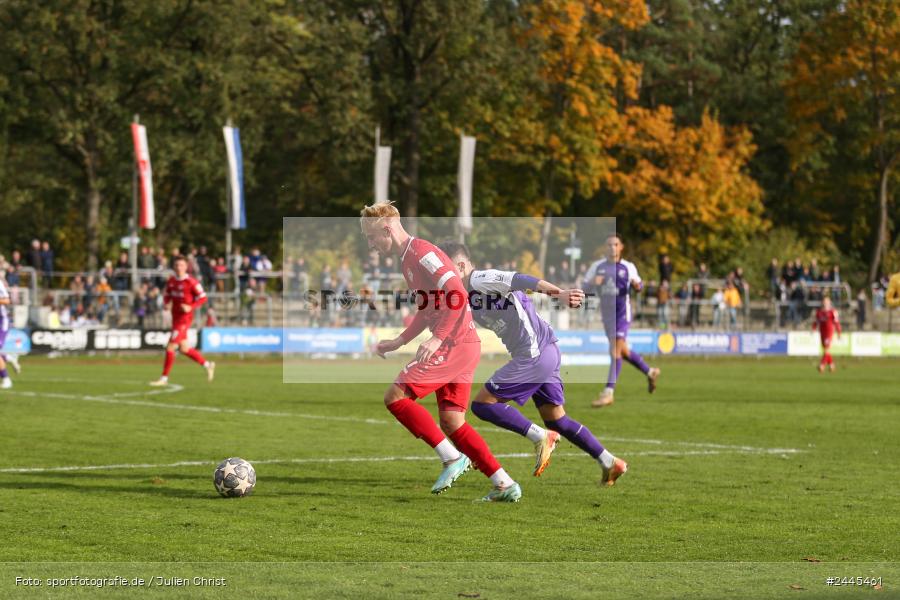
(3,333)
(524,378)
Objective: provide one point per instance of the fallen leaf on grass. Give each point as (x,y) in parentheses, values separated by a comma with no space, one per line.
(464,595)
(811,559)
(796,586)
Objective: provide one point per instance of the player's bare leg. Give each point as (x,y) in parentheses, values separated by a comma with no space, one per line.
(5,381)
(615,368)
(464,436)
(419,422)
(13,361)
(652,377)
(638,362)
(488,407)
(555,418)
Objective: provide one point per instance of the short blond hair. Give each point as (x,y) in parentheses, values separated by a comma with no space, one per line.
(371,216)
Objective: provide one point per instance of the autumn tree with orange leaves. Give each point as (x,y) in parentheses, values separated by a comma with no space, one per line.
(682,187)
(687,187)
(561,124)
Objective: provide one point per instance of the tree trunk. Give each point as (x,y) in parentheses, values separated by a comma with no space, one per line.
(92,221)
(412,159)
(881,241)
(545,237)
(548,218)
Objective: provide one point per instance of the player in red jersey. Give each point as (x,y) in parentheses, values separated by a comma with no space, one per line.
(185,294)
(827,323)
(444,364)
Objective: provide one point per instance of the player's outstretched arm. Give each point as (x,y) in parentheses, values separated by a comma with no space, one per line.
(569,297)
(417,326)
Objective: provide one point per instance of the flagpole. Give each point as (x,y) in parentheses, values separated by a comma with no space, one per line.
(132,242)
(377,145)
(228,209)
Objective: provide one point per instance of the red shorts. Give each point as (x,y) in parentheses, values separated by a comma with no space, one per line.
(826,342)
(180,331)
(448,373)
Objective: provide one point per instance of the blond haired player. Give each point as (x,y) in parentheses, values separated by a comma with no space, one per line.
(444,364)
(892,297)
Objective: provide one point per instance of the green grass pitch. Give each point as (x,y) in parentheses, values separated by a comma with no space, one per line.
(748,479)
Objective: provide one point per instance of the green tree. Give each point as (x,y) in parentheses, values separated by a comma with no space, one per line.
(843,95)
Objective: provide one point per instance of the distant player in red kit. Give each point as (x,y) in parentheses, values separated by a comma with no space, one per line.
(444,364)
(827,323)
(185,294)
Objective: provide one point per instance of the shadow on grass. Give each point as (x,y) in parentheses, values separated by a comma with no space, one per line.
(158,485)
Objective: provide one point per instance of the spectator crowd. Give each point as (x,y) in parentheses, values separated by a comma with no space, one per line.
(99,298)
(105,297)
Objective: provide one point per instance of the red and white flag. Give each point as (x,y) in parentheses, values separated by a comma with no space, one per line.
(145,175)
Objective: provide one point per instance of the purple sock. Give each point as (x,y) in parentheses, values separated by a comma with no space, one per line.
(502,415)
(636,359)
(4,373)
(614,369)
(578,434)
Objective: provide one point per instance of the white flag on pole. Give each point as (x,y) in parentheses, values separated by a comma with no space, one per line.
(464,181)
(382,173)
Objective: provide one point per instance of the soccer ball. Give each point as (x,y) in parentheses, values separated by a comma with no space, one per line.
(234,477)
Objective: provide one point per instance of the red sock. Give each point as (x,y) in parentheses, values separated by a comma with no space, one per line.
(828,359)
(473,445)
(195,356)
(417,420)
(170,360)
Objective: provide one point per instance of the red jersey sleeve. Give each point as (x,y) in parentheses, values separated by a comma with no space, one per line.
(837,321)
(453,310)
(198,294)
(444,284)
(418,325)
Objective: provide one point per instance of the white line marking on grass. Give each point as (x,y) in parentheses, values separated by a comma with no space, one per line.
(120,398)
(337,459)
(726,447)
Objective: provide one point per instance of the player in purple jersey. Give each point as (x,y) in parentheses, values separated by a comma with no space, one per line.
(613,278)
(5,324)
(499,303)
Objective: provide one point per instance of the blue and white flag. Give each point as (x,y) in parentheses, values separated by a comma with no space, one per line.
(237,209)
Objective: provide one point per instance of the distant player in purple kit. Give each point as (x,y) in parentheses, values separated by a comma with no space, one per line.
(499,303)
(613,278)
(5,323)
